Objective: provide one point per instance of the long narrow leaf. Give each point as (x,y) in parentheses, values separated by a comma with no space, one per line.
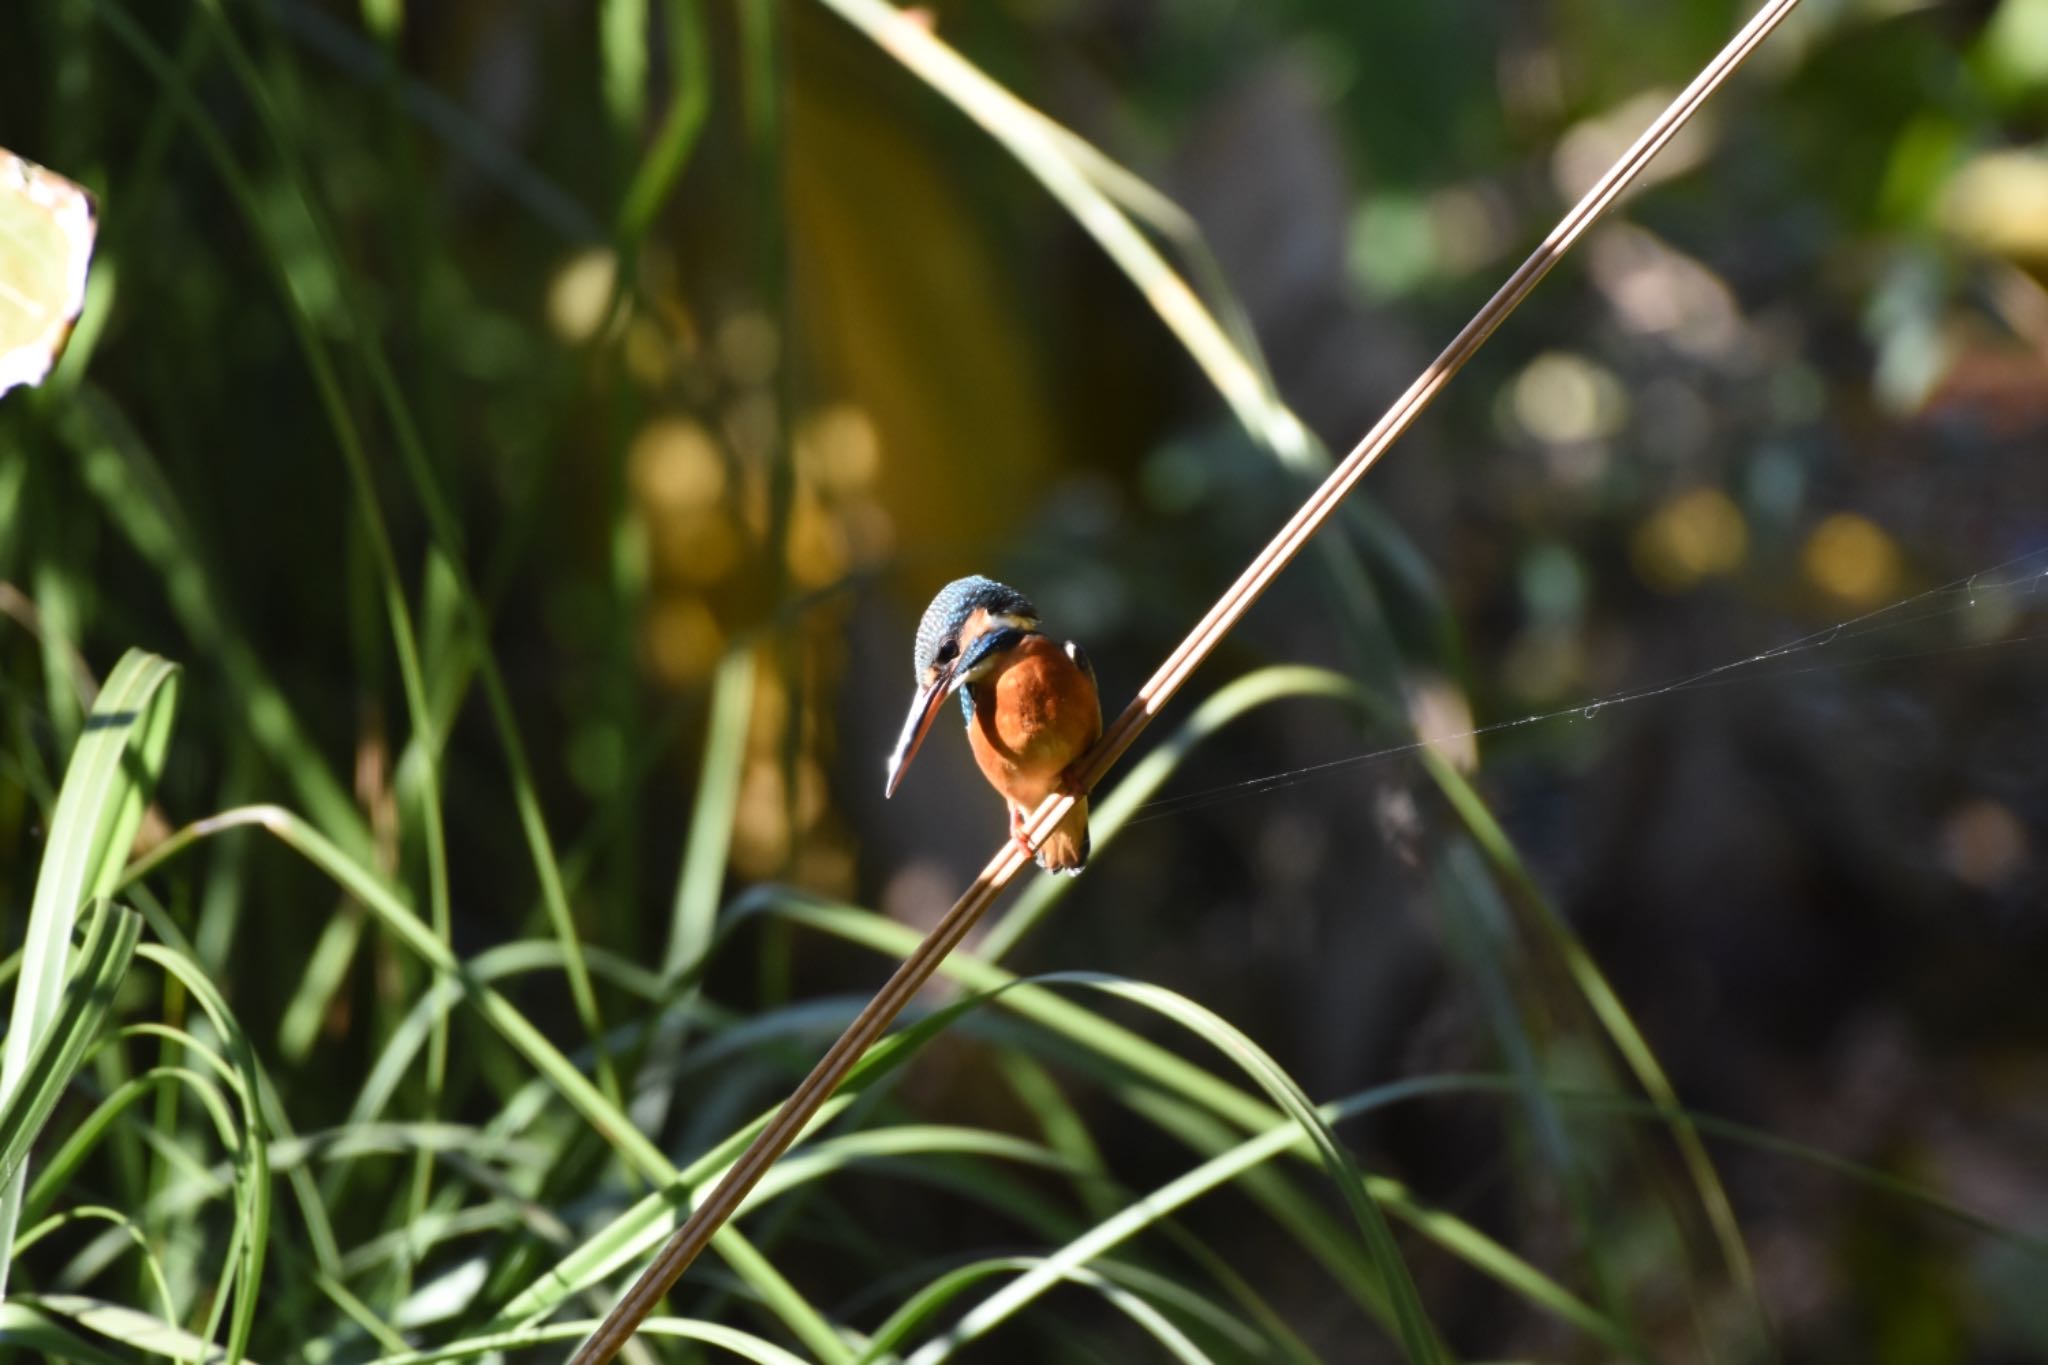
(106,788)
(111,932)
(137,1331)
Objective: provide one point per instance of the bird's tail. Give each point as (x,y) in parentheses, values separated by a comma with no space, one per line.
(1066,848)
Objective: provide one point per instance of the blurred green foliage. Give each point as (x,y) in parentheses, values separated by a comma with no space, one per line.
(534,430)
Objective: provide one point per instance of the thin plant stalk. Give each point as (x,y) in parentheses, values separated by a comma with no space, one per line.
(719,1205)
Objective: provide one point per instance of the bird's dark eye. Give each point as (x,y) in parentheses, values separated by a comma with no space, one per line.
(948,651)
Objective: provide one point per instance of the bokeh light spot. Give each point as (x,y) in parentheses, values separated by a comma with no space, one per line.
(2016,42)
(1660,291)
(1694,536)
(839,449)
(1393,247)
(1560,397)
(1851,560)
(1472,228)
(1998,202)
(580,293)
(682,638)
(1983,844)
(760,829)
(674,466)
(1590,146)
(1553,583)
(1442,716)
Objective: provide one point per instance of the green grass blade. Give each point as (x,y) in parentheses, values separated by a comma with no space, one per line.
(24,1325)
(895,1144)
(1417,1336)
(1182,1086)
(741,1344)
(250,1239)
(153,1267)
(327,967)
(1607,1007)
(388,905)
(111,932)
(637,1231)
(1480,937)
(448,545)
(824,1341)
(65,1161)
(622,50)
(711,814)
(139,1332)
(275,1120)
(122,472)
(608,1120)
(1064,1129)
(113,769)
(690,75)
(938,1295)
(1028,135)
(1232,1164)
(327,383)
(1273,684)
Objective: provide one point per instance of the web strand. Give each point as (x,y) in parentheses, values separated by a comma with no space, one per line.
(2024,575)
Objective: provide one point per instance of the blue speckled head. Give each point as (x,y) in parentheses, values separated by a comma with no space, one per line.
(996,616)
(950,610)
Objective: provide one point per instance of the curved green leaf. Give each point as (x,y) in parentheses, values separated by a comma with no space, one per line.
(110,935)
(107,786)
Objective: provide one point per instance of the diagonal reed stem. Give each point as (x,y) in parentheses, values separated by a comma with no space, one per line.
(724,1200)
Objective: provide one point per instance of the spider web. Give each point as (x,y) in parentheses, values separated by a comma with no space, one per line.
(2013,588)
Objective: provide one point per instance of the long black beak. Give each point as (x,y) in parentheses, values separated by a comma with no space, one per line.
(923,711)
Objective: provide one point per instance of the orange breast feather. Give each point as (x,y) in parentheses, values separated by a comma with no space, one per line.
(1035,716)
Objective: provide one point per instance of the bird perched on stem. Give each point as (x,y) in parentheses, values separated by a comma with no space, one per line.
(1031,705)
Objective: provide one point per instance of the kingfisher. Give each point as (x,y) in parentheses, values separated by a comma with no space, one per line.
(1031,706)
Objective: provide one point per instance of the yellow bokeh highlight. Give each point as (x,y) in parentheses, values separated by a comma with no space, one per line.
(674,466)
(771,714)
(580,293)
(839,450)
(1589,147)
(682,639)
(1696,535)
(1998,202)
(760,824)
(1851,560)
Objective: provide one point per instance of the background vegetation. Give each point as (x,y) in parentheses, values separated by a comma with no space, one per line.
(533,430)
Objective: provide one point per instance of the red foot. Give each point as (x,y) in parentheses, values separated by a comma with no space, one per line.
(1017,834)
